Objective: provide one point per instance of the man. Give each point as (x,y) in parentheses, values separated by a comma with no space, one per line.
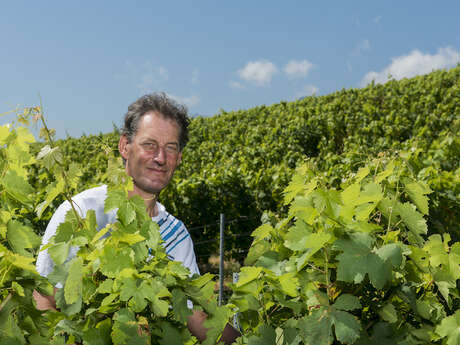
(154,134)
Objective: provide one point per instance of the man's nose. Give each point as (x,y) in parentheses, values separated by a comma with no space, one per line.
(160,156)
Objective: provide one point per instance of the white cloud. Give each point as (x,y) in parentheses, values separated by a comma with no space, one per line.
(363,46)
(307,90)
(151,77)
(259,72)
(187,101)
(162,72)
(415,63)
(236,85)
(360,48)
(349,66)
(297,69)
(146,76)
(195,76)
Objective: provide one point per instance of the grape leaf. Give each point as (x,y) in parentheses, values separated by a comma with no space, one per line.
(73,173)
(4,133)
(99,335)
(417,194)
(59,252)
(350,195)
(53,190)
(454,260)
(114,199)
(445,282)
(391,253)
(248,274)
(11,334)
(271,260)
(297,185)
(436,250)
(216,322)
(16,186)
(18,289)
(179,303)
(347,302)
(64,232)
(170,335)
(296,237)
(136,292)
(315,242)
(302,208)
(21,237)
(388,313)
(357,260)
(262,232)
(267,336)
(50,156)
(347,327)
(316,328)
(289,284)
(362,173)
(18,157)
(68,309)
(125,329)
(24,138)
(114,260)
(160,307)
(130,239)
(73,285)
(384,174)
(106,286)
(450,328)
(126,213)
(413,220)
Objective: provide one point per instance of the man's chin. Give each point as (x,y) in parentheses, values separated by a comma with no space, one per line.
(150,188)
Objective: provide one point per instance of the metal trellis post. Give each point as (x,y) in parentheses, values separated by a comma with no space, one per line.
(221,261)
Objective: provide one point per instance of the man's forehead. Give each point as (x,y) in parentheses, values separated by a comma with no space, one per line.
(155,123)
(156,116)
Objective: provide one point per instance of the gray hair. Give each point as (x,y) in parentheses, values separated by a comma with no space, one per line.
(160,103)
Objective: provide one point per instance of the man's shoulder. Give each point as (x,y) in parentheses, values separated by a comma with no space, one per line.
(164,216)
(93,198)
(99,192)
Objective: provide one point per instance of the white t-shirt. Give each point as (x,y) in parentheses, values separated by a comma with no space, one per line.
(177,240)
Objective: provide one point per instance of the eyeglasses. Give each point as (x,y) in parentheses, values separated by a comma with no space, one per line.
(171,149)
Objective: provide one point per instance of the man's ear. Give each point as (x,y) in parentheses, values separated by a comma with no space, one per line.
(123,146)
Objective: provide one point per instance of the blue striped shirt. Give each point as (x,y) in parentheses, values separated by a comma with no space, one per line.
(177,240)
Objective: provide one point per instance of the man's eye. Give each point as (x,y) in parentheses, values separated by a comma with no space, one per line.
(172,149)
(149,146)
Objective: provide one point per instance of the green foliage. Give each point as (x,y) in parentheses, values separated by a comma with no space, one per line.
(118,289)
(240,162)
(20,322)
(352,250)
(351,265)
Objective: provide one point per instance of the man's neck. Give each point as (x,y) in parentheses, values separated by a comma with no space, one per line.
(150,201)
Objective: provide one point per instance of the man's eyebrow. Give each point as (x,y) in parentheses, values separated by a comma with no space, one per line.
(156,141)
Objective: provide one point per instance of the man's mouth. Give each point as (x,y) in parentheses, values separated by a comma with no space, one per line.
(156,170)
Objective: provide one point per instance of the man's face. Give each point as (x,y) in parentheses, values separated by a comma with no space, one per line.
(153,154)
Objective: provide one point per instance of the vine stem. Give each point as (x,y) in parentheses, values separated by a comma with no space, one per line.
(4,275)
(315,268)
(393,205)
(63,173)
(326,272)
(262,303)
(5,301)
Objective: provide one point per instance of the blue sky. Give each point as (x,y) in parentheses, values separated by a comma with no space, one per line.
(90,59)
